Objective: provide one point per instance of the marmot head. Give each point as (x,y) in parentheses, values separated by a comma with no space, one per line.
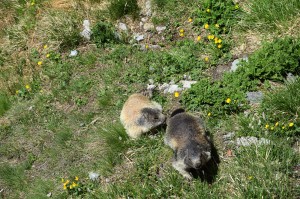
(195,155)
(151,117)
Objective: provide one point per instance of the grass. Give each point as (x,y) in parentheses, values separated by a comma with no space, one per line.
(268,14)
(60,119)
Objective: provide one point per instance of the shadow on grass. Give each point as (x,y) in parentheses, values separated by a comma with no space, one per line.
(209,171)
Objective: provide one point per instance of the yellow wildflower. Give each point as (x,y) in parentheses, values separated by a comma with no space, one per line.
(74,184)
(62,180)
(45,46)
(17,92)
(32,3)
(181,34)
(190,20)
(283,127)
(146,46)
(206,59)
(67,182)
(210,37)
(236,6)
(176,94)
(48,55)
(208,10)
(228,100)
(198,38)
(219,41)
(267,126)
(209,114)
(71,186)
(217,25)
(76,178)
(219,46)
(181,30)
(277,123)
(272,128)
(40,63)
(250,177)
(27,87)
(206,26)
(41,91)
(65,187)
(291,124)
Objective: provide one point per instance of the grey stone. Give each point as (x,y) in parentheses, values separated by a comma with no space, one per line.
(254,97)
(187,84)
(148,26)
(139,37)
(290,78)
(228,136)
(123,26)
(148,8)
(73,53)
(93,176)
(235,63)
(160,29)
(86,33)
(249,140)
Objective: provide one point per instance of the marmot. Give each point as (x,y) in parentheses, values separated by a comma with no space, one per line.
(140,115)
(186,135)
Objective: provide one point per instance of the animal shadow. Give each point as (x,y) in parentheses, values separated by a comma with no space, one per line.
(209,171)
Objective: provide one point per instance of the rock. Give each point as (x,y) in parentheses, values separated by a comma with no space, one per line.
(187,84)
(160,29)
(249,140)
(93,176)
(172,88)
(86,33)
(144,19)
(122,26)
(49,194)
(73,53)
(139,37)
(151,87)
(148,26)
(228,136)
(290,78)
(235,63)
(148,8)
(254,97)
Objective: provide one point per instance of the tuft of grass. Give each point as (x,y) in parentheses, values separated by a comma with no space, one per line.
(284,100)
(116,142)
(61,28)
(12,176)
(119,8)
(4,103)
(269,14)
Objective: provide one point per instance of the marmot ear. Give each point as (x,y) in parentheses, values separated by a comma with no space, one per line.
(177,111)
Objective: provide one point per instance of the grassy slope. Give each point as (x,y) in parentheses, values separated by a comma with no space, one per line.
(67,124)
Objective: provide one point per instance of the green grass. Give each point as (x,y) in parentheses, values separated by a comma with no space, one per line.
(67,123)
(269,14)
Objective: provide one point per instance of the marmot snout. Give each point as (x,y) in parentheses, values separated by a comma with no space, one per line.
(139,115)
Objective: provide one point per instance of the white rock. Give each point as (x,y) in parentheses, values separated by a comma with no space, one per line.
(49,194)
(150,86)
(160,29)
(148,8)
(123,26)
(93,176)
(73,53)
(86,33)
(187,84)
(234,65)
(249,140)
(148,26)
(172,88)
(139,37)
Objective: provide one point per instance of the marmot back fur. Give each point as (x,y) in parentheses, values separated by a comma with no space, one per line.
(185,134)
(139,115)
